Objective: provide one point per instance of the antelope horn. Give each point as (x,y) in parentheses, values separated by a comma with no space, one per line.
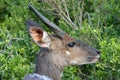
(47,22)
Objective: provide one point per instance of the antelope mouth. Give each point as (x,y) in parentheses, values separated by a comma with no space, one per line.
(89,60)
(93,59)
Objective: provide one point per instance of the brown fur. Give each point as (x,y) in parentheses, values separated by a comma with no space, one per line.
(57,52)
(52,60)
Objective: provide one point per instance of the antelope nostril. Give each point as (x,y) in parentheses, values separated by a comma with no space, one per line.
(98,52)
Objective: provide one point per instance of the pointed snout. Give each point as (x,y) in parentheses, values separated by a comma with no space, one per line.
(97,56)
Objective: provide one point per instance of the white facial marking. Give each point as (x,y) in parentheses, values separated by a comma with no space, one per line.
(68,53)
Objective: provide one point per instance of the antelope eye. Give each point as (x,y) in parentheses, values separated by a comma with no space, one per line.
(72,44)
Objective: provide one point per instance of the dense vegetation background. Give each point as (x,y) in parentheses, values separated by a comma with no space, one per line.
(97,23)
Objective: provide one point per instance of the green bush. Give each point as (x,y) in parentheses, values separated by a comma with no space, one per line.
(100,28)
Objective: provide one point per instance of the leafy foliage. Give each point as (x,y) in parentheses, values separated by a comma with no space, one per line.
(100,28)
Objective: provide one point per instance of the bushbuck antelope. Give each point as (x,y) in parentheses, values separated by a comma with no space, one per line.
(58,50)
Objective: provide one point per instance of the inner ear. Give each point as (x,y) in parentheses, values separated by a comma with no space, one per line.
(36,34)
(40,36)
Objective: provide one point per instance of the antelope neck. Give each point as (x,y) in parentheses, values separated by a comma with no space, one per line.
(49,64)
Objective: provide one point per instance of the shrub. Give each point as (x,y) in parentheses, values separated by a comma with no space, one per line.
(100,28)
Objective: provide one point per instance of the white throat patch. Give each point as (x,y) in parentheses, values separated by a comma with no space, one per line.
(73,62)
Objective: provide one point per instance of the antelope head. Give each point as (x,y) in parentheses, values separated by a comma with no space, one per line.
(73,51)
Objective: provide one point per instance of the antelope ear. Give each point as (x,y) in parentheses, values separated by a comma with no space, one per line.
(39,36)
